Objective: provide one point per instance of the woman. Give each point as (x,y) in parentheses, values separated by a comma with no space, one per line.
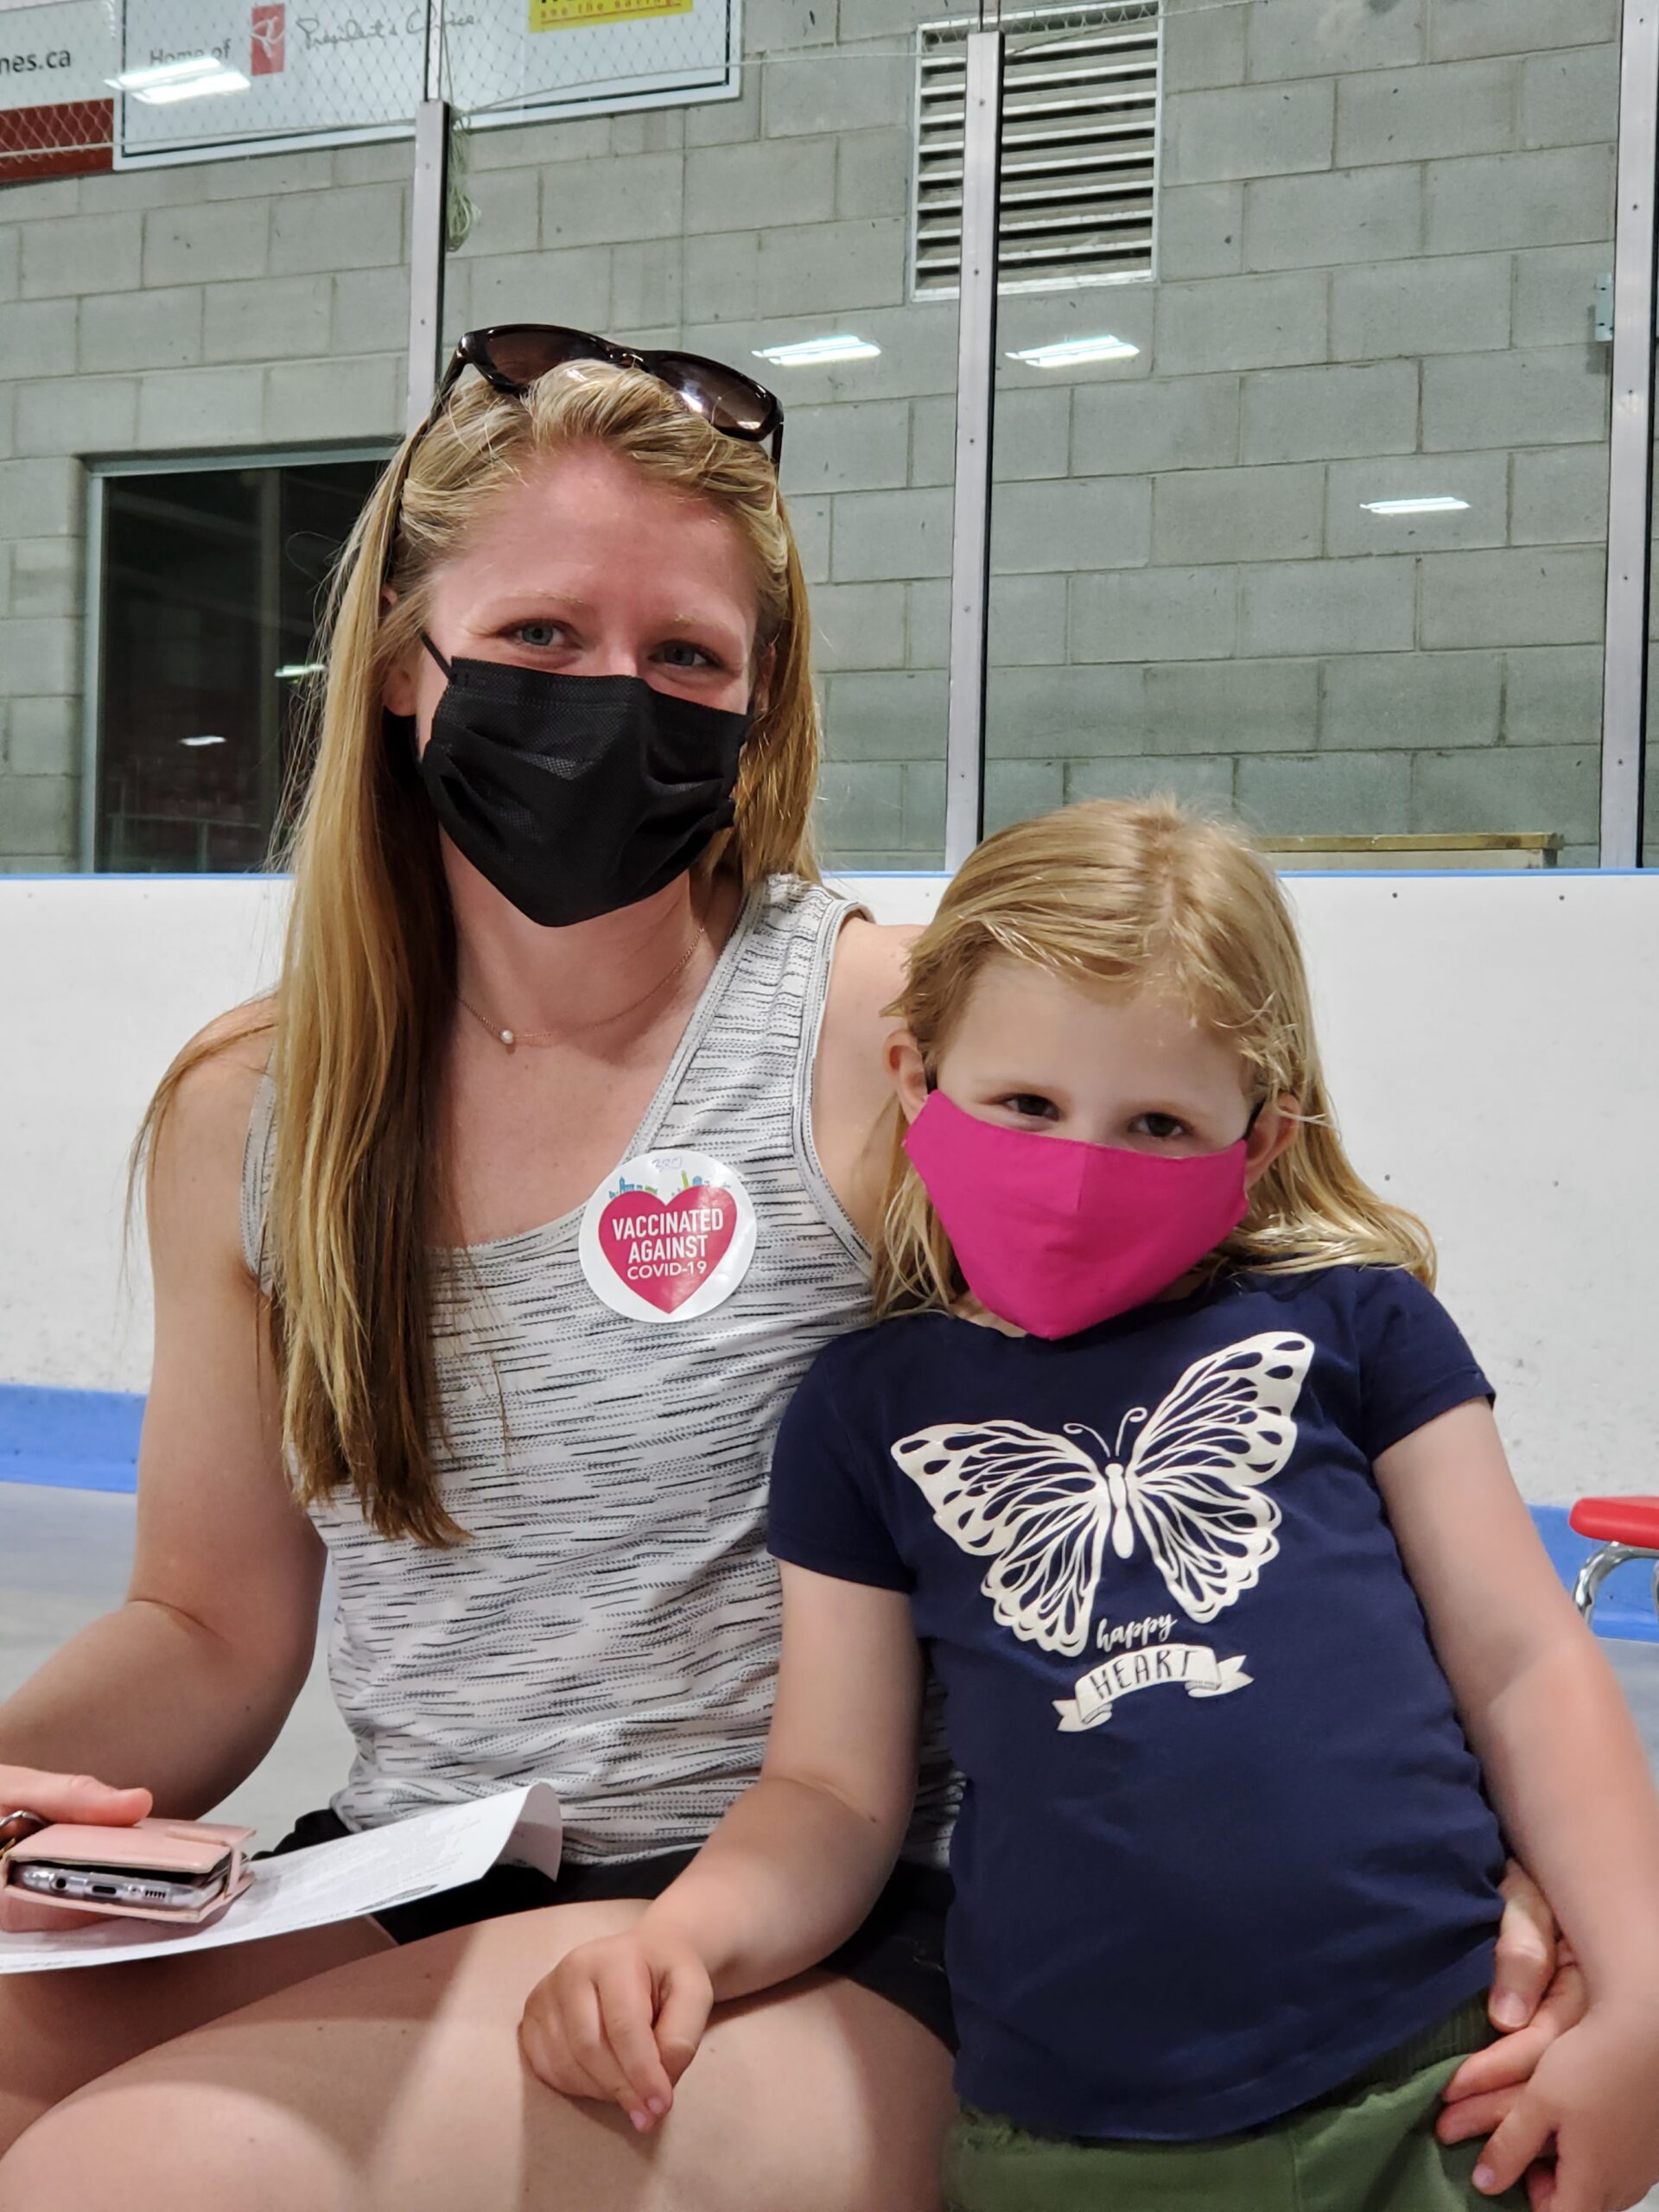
(379,1211)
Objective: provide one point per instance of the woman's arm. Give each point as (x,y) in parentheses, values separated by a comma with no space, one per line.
(1561,1759)
(184,1689)
(790,1872)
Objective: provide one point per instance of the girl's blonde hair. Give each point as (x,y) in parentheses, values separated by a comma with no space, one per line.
(1143,896)
(359,1015)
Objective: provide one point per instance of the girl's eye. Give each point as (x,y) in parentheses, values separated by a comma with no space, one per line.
(538,635)
(1032,1106)
(1158,1125)
(680,652)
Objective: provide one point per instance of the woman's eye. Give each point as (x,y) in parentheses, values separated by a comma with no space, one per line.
(538,634)
(680,652)
(1158,1125)
(1032,1106)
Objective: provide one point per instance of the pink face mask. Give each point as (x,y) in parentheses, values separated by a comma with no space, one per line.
(1055,1236)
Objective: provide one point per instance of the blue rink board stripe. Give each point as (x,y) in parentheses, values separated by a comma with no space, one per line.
(88,1439)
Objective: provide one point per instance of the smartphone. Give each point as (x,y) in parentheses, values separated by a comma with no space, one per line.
(97,1885)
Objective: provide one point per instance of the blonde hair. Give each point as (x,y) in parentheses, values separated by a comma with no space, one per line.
(1136,896)
(361,1010)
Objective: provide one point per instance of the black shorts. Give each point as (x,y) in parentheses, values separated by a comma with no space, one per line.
(897,1954)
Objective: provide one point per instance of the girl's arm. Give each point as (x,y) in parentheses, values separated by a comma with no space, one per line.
(1567,1773)
(790,1872)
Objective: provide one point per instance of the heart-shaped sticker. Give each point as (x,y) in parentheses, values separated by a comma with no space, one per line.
(666,1253)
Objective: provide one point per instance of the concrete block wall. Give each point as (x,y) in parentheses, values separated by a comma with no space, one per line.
(1379,234)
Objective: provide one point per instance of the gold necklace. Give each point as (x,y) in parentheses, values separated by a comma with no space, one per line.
(513,1038)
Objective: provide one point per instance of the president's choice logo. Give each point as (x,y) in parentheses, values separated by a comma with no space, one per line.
(269,33)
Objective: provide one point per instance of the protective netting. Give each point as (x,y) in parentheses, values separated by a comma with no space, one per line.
(504,58)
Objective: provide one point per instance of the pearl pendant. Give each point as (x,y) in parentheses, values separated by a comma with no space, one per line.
(506,1037)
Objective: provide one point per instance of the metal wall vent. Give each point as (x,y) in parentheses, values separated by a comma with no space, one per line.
(1080,121)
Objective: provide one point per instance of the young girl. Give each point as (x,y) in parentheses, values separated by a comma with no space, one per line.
(1164,1453)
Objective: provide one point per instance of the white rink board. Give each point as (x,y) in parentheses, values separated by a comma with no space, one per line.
(1491,1054)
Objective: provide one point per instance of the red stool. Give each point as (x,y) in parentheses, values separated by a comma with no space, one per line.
(1627,1528)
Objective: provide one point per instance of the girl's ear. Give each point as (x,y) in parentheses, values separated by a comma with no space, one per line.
(908,1072)
(1275,1131)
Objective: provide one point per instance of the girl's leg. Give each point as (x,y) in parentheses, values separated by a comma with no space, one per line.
(395,2085)
(58,2031)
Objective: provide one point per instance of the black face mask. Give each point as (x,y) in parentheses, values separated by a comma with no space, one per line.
(577,795)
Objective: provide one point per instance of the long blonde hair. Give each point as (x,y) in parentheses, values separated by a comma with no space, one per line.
(1137,896)
(359,1015)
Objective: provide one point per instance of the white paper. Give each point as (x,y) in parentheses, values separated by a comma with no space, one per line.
(360,1874)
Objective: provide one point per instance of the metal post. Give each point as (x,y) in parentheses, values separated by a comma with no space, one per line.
(428,203)
(1630,503)
(970,543)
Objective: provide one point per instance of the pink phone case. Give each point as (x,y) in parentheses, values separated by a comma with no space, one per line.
(179,1848)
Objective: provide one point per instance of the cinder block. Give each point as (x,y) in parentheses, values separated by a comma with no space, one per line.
(1414,114)
(267,175)
(369,311)
(1204,48)
(888,717)
(363,227)
(860,447)
(923,805)
(1019,791)
(1553,198)
(883,19)
(1242,322)
(1327,414)
(722,277)
(928,621)
(201,407)
(1329,607)
(774,181)
(1481,478)
(1027,627)
(882,535)
(1033,432)
(1255,131)
(358,399)
(29,203)
(45,580)
(1200,231)
(1205,785)
(1310,38)
(1544,597)
(1555,293)
(1133,428)
(1154,614)
(78,415)
(726,122)
(217,239)
(9,421)
(1237,514)
(43,739)
(600,203)
(854,88)
(573,287)
(1532,396)
(506,211)
(1442,306)
(40,499)
(11,262)
(37,338)
(1027,319)
(1333,794)
(527,145)
(1509,787)
(873,174)
(1347,215)
(1045,714)
(821,268)
(1411,700)
(1236,707)
(81,253)
(142,330)
(1090,522)
(41,653)
(811,519)
(1560,498)
(1552,696)
(1471,27)
(281,317)
(647,291)
(858,626)
(37,817)
(383,162)
(1570,99)
(860,807)
(659,130)
(783,25)
(129,192)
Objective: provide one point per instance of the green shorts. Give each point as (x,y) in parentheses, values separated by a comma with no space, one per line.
(1368,2146)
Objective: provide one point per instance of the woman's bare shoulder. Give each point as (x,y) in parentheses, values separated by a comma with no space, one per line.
(852,1090)
(199,1129)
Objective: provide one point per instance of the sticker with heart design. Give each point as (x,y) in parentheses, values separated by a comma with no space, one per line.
(667,1236)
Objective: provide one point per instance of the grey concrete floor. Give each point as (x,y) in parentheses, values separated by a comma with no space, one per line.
(63,1560)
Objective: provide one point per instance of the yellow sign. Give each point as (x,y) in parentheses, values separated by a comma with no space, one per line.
(584,15)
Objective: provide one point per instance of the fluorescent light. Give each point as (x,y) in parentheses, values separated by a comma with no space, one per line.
(291,670)
(201,740)
(1065,352)
(810,352)
(196,75)
(1442,503)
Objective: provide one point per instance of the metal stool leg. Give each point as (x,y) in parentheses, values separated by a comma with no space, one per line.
(1596,1570)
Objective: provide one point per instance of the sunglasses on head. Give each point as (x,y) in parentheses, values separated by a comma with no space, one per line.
(510,356)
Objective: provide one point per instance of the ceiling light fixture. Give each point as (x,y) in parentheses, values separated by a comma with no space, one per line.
(191,79)
(1067,352)
(194,741)
(1442,503)
(812,352)
(291,670)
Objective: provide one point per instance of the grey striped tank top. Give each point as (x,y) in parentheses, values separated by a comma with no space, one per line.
(613,1623)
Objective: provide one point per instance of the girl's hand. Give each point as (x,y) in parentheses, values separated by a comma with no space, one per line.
(1537,1995)
(74,1798)
(1592,2095)
(620,2019)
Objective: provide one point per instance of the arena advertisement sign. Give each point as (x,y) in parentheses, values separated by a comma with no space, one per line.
(319,73)
(56,100)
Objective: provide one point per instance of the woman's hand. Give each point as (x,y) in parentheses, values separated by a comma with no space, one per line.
(74,1798)
(1591,2100)
(620,2019)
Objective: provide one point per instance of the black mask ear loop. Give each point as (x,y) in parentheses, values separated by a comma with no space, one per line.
(437,656)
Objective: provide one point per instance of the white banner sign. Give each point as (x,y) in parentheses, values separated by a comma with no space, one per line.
(53,55)
(1198,1671)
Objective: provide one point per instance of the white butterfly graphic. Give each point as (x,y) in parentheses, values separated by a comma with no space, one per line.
(1042,1508)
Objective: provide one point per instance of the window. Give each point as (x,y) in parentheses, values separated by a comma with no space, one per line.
(211,587)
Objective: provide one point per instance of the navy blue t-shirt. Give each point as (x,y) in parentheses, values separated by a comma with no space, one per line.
(1222,1840)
